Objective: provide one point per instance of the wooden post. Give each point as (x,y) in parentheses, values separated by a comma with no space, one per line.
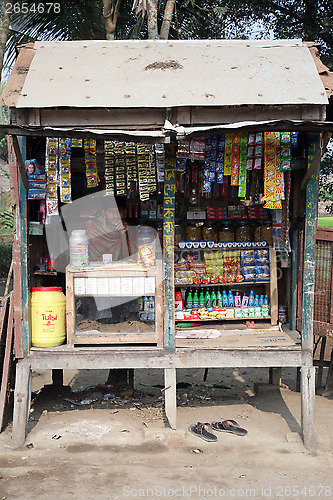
(294,251)
(22,399)
(170,382)
(168,244)
(308,407)
(307,372)
(273,287)
(23,241)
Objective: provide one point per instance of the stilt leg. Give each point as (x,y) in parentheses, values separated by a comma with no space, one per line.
(308,407)
(321,362)
(22,399)
(170,396)
(329,380)
(275,376)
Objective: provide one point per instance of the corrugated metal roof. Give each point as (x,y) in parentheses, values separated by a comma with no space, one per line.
(147,73)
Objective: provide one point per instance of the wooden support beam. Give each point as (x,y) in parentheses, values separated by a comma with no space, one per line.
(8,340)
(316,159)
(170,396)
(22,400)
(168,245)
(294,267)
(20,162)
(309,248)
(308,407)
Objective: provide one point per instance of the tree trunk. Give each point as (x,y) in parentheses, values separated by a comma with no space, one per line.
(110,14)
(152,20)
(310,26)
(167,18)
(4,29)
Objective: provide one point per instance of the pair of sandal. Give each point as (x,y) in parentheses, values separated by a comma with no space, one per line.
(200,429)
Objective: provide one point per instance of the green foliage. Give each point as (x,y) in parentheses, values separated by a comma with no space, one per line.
(6,220)
(5,256)
(326,181)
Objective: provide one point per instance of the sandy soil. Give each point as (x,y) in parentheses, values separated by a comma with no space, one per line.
(118,447)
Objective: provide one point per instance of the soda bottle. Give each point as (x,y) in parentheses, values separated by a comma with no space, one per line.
(195,301)
(189,300)
(219,298)
(201,299)
(207,299)
(213,299)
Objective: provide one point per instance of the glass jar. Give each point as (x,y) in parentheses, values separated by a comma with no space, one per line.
(179,233)
(209,233)
(147,247)
(226,232)
(267,233)
(243,231)
(257,232)
(193,232)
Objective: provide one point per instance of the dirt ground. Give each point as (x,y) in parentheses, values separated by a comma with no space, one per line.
(89,443)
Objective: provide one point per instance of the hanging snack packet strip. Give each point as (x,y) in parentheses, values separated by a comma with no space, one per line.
(160,161)
(242,165)
(220,159)
(65,171)
(285,151)
(235,159)
(109,168)
(152,186)
(91,163)
(76,143)
(227,154)
(272,173)
(143,167)
(120,167)
(51,158)
(131,172)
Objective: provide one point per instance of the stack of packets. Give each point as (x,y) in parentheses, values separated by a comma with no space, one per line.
(65,170)
(91,163)
(255,265)
(127,165)
(36,180)
(51,164)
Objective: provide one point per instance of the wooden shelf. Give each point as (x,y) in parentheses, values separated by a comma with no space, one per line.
(225,319)
(266,247)
(224,284)
(45,273)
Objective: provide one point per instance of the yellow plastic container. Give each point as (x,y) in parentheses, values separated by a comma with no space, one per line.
(48,316)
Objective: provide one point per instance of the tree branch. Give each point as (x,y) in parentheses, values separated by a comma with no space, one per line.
(167,18)
(110,14)
(4,29)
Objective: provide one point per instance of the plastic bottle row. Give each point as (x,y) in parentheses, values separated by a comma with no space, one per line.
(200,297)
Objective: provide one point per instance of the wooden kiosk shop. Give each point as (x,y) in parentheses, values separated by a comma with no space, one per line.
(216,146)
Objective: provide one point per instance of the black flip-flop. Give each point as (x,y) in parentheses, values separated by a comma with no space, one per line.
(228,426)
(201,431)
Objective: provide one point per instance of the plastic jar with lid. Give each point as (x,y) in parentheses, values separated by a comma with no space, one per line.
(193,232)
(257,232)
(179,233)
(243,231)
(147,247)
(267,233)
(226,232)
(78,248)
(209,233)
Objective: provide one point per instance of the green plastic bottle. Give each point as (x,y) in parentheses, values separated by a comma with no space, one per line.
(207,299)
(219,298)
(201,299)
(195,302)
(213,299)
(189,300)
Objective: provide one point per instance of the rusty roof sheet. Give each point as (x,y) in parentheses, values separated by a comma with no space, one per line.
(164,73)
